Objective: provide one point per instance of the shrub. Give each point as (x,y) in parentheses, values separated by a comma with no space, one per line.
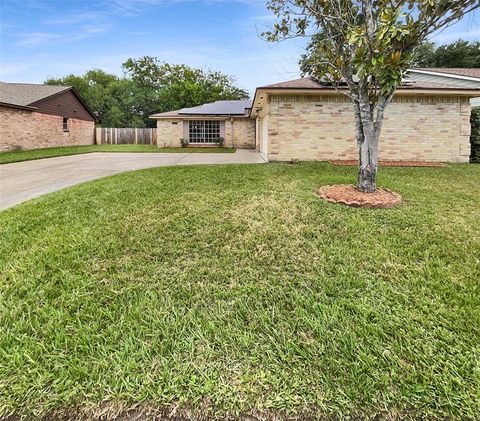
(184,142)
(221,141)
(475,135)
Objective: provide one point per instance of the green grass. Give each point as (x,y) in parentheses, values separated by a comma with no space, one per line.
(29,154)
(225,290)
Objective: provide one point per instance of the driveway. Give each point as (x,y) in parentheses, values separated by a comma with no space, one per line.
(23,181)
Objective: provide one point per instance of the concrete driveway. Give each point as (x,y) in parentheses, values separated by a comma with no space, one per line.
(23,181)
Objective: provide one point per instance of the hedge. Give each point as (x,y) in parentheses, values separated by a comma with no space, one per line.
(475,136)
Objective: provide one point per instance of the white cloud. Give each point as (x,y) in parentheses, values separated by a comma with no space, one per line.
(12,69)
(36,38)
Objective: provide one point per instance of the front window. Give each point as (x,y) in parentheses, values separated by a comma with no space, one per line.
(65,124)
(204,131)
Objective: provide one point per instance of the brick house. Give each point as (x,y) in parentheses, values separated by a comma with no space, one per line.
(304,119)
(207,123)
(41,116)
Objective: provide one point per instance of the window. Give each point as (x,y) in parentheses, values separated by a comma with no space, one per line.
(65,124)
(204,131)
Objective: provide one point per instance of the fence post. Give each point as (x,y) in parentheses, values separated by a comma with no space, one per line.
(135,136)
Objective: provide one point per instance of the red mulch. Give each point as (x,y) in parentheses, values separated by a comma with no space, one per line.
(353,162)
(347,194)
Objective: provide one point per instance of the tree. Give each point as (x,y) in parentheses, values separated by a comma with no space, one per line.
(457,54)
(175,86)
(363,47)
(424,55)
(149,86)
(112,99)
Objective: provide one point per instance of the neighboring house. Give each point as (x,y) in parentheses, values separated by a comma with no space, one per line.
(305,119)
(42,116)
(229,120)
(468,78)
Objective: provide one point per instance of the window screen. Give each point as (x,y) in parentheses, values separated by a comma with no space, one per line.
(203,131)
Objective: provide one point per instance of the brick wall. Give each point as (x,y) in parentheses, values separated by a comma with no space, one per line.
(239,133)
(244,133)
(427,128)
(169,133)
(21,129)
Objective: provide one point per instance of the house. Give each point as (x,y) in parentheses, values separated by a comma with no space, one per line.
(457,76)
(305,119)
(205,124)
(41,116)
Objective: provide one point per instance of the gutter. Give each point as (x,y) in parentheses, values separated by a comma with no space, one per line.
(20,107)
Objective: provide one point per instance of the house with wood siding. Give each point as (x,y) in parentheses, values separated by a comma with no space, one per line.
(41,116)
(468,78)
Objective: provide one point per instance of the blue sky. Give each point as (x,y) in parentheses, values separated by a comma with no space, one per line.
(52,38)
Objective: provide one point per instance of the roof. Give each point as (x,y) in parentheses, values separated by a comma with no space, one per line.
(25,94)
(311,83)
(303,83)
(457,71)
(238,108)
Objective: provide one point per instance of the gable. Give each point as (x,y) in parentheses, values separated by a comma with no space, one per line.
(64,104)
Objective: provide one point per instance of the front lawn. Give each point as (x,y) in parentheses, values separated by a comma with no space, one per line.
(226,290)
(29,154)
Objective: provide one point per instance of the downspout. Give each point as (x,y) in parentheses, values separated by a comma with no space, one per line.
(257,134)
(233,133)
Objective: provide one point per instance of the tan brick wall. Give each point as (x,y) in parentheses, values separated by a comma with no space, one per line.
(244,133)
(433,128)
(21,129)
(169,133)
(239,132)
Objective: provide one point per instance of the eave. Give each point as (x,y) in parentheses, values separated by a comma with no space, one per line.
(261,94)
(19,107)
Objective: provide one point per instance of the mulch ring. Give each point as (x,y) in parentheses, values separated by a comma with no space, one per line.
(353,162)
(347,194)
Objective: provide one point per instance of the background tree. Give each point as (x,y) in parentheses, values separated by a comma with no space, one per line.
(148,86)
(362,47)
(112,99)
(457,54)
(175,86)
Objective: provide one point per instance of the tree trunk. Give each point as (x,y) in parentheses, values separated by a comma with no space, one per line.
(367,141)
(368,167)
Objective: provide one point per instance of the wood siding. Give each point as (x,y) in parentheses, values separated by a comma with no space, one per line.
(444,80)
(65,104)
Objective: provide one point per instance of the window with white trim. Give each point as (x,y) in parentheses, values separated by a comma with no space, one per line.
(204,131)
(65,124)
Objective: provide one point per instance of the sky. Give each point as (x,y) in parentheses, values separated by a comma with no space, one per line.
(40,39)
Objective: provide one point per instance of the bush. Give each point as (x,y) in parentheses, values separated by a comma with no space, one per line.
(475,136)
(184,142)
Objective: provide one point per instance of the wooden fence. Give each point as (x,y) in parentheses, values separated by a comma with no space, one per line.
(125,136)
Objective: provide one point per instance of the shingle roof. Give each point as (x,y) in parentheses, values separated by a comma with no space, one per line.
(25,94)
(310,83)
(229,108)
(303,83)
(452,71)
